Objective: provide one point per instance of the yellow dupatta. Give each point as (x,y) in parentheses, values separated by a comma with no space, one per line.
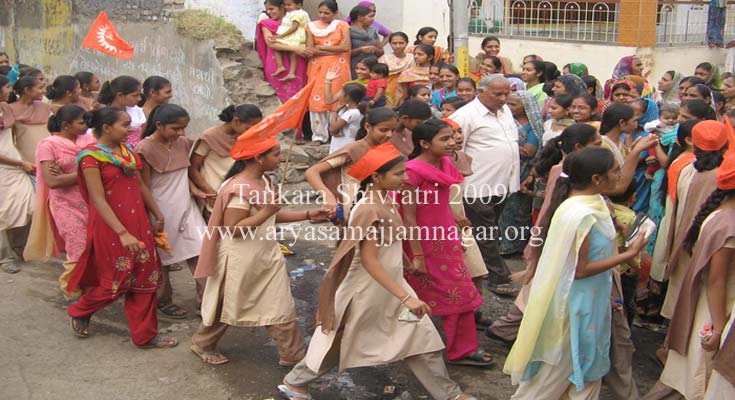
(541,336)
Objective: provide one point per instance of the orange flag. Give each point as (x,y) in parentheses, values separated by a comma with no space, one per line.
(288,116)
(103,37)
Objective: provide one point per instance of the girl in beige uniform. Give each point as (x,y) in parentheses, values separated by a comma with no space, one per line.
(247,283)
(368,314)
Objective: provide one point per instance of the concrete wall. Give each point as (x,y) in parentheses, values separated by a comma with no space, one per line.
(241,13)
(45,34)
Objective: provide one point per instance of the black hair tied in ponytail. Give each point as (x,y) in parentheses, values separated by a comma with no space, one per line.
(714,200)
(66,114)
(164,114)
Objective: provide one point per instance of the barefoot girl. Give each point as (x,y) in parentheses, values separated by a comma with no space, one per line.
(60,207)
(367,275)
(211,159)
(247,282)
(165,154)
(125,92)
(119,258)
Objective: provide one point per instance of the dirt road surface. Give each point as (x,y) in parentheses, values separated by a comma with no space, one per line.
(41,359)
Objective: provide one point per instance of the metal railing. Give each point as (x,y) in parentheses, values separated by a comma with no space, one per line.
(581,20)
(685,22)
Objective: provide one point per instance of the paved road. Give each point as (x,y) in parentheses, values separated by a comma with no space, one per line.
(41,359)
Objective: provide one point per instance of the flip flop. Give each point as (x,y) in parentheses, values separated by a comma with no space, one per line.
(160,342)
(170,311)
(476,359)
(205,354)
(288,394)
(80,326)
(481,321)
(505,290)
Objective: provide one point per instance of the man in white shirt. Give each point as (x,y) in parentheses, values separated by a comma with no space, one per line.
(491,139)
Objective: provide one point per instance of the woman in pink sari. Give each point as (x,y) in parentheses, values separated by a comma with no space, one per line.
(267,47)
(440,277)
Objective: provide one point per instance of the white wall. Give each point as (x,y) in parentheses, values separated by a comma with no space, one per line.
(241,13)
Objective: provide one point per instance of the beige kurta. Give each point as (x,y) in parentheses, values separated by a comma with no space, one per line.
(690,374)
(677,276)
(372,334)
(349,187)
(27,138)
(251,282)
(660,252)
(16,189)
(215,167)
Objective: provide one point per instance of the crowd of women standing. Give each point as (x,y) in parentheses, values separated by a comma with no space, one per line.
(103,173)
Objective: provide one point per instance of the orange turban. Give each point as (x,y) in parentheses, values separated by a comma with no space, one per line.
(250,147)
(375,158)
(451,123)
(726,173)
(710,135)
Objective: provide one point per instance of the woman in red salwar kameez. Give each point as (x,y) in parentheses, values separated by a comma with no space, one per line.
(120,258)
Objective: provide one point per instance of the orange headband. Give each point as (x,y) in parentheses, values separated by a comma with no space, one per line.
(726,173)
(710,135)
(375,158)
(250,147)
(451,123)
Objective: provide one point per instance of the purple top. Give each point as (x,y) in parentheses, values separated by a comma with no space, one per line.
(382,30)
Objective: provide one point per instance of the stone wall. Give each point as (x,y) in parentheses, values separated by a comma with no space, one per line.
(207,75)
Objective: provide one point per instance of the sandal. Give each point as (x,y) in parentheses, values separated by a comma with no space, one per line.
(285,250)
(80,326)
(172,311)
(175,267)
(482,322)
(160,342)
(289,394)
(479,358)
(209,357)
(505,290)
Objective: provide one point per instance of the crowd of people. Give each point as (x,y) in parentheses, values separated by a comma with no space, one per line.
(619,195)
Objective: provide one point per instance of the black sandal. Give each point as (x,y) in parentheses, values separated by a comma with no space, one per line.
(479,358)
(80,326)
(481,321)
(172,311)
(505,290)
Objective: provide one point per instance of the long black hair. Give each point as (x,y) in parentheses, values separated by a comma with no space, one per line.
(425,131)
(374,117)
(684,132)
(579,167)
(66,114)
(243,112)
(553,151)
(612,116)
(97,119)
(715,199)
(152,83)
(164,114)
(61,85)
(122,84)
(699,109)
(423,32)
(20,86)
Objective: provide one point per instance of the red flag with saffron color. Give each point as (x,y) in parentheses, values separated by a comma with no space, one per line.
(103,37)
(288,116)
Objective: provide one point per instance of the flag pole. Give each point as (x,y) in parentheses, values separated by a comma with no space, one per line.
(73,60)
(288,158)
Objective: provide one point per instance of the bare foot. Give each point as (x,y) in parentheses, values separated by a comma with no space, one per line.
(288,77)
(278,71)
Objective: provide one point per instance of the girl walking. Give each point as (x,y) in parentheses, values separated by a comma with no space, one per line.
(29,115)
(247,283)
(61,212)
(125,92)
(90,84)
(385,321)
(441,279)
(118,258)
(563,344)
(65,90)
(164,151)
(156,91)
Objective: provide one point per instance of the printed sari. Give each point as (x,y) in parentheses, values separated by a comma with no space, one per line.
(284,90)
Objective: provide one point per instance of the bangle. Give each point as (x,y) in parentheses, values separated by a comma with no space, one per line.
(328,82)
(122,232)
(408,296)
